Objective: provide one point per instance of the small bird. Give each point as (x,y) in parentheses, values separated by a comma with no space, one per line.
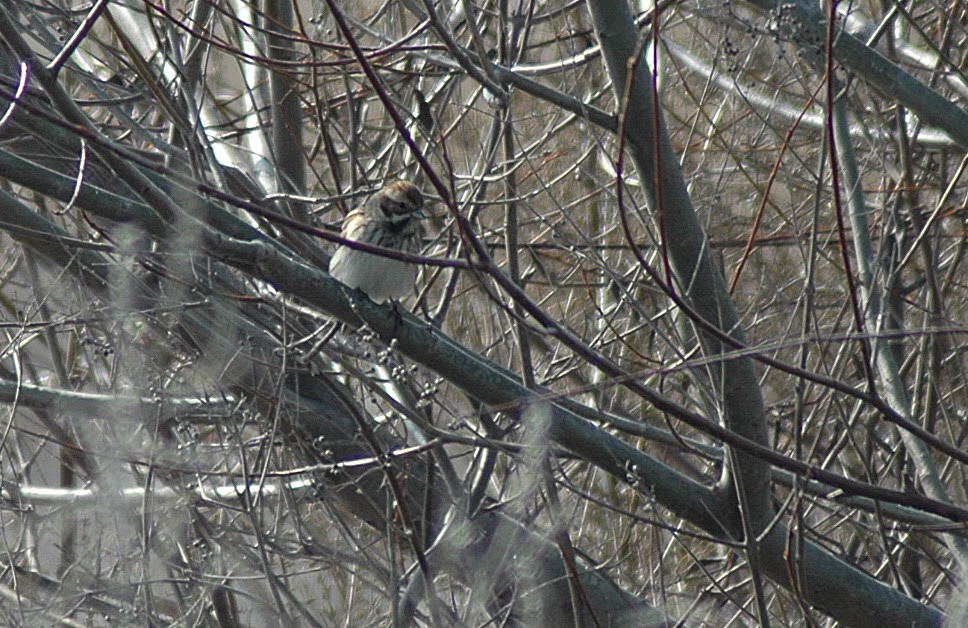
(391,219)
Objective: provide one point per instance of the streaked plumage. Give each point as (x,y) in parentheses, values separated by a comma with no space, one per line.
(391,219)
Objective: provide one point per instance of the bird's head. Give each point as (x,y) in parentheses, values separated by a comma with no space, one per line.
(400,201)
